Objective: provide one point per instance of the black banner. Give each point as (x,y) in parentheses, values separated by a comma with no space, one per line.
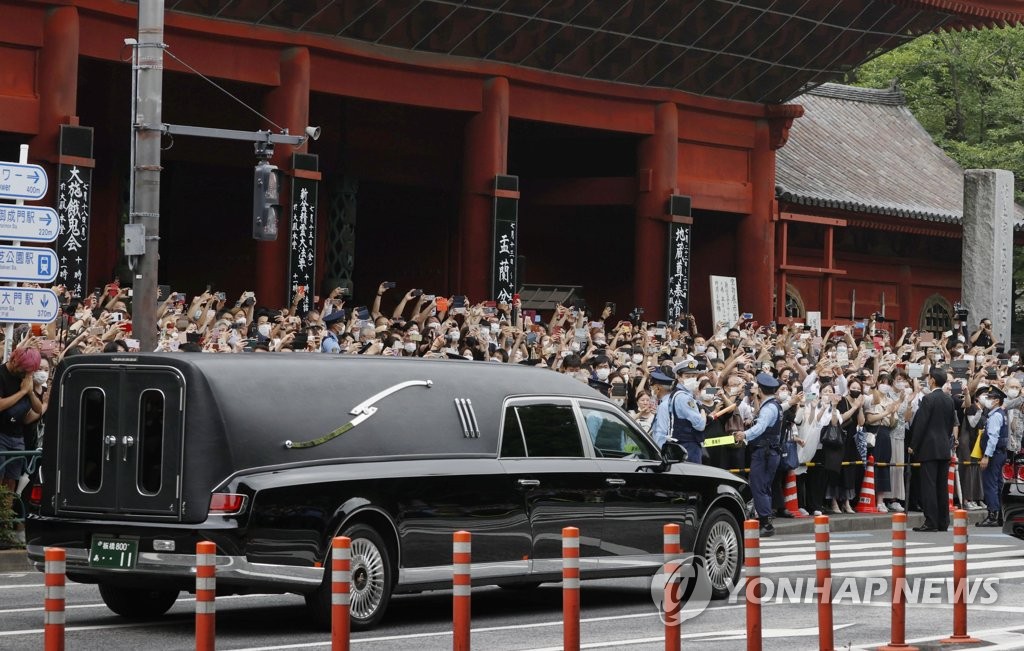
(74,208)
(678,270)
(302,231)
(506,238)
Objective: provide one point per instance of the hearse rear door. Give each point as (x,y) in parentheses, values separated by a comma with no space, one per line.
(120,441)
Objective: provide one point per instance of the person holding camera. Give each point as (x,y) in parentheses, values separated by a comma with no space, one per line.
(982,337)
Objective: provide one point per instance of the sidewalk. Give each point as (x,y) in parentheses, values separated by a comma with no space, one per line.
(14,560)
(861,522)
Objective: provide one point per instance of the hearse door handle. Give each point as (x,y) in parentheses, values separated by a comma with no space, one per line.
(109,441)
(611,481)
(528,483)
(127,442)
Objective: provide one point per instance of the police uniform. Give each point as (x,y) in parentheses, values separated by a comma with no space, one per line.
(764,439)
(680,417)
(330,343)
(997,436)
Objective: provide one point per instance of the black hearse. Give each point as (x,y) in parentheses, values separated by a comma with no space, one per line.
(270,456)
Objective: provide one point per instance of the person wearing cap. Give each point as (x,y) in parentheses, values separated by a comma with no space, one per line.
(997,436)
(335,323)
(679,416)
(764,438)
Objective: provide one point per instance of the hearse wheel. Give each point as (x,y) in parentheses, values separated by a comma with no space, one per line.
(371,581)
(137,603)
(719,544)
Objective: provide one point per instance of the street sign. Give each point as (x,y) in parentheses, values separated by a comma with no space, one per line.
(28,305)
(28,223)
(27,264)
(19,181)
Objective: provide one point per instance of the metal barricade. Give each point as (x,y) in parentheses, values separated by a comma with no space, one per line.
(31,459)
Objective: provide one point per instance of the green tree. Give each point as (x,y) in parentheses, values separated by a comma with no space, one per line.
(967,90)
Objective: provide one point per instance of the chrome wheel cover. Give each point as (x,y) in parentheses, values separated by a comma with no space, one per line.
(367,579)
(721,555)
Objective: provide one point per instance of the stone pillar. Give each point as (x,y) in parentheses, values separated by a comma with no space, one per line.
(484,157)
(288,106)
(658,166)
(987,287)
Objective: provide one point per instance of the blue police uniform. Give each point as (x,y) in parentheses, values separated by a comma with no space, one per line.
(764,438)
(330,343)
(997,435)
(680,417)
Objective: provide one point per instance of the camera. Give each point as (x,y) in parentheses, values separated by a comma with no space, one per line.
(636,314)
(390,284)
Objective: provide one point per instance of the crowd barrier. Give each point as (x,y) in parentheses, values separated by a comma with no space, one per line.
(31,459)
(340,566)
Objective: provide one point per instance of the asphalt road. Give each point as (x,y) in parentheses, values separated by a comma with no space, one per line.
(616,614)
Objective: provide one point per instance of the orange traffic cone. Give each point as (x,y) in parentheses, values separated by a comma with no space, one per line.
(866,503)
(951,482)
(789,494)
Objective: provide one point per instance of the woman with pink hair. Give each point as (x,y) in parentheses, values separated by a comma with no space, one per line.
(18,402)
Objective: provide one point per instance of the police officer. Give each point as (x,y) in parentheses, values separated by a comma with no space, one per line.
(678,415)
(335,323)
(997,435)
(764,438)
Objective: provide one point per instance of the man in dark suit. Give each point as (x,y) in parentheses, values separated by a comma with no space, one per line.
(931,442)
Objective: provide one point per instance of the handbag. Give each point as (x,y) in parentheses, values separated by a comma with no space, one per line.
(790,456)
(831,436)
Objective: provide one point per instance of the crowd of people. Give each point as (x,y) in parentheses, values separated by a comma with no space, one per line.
(835,397)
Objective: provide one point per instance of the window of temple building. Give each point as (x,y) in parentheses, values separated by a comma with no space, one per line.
(936,315)
(794,303)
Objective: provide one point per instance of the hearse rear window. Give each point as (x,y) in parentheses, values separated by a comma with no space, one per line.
(541,431)
(151,443)
(90,432)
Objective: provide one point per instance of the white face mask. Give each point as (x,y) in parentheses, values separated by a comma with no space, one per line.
(602,373)
(980,359)
(1014,359)
(637,358)
(39,377)
(1012,393)
(900,386)
(958,351)
(691,384)
(599,342)
(884,388)
(699,348)
(574,347)
(783,396)
(410,346)
(986,402)
(264,329)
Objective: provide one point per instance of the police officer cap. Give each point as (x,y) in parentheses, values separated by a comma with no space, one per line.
(997,393)
(657,377)
(690,366)
(334,317)
(767,381)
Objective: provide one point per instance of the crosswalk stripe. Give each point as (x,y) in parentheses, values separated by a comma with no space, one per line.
(851,544)
(804,545)
(808,555)
(883,563)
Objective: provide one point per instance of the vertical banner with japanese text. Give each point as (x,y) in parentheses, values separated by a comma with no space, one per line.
(74,207)
(302,231)
(678,270)
(506,242)
(725,305)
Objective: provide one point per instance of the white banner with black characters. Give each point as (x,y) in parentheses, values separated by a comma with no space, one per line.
(74,209)
(678,271)
(302,236)
(506,242)
(725,305)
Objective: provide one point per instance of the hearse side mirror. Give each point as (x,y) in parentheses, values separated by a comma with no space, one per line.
(672,452)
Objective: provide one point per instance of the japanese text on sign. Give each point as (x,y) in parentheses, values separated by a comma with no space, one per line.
(724,302)
(73,207)
(678,271)
(302,241)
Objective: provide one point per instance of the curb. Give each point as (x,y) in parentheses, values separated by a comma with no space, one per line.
(845,522)
(15,560)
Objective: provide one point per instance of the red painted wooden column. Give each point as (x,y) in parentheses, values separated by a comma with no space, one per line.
(288,106)
(755,233)
(58,89)
(484,157)
(657,178)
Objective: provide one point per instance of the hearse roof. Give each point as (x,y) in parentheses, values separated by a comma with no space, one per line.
(257,402)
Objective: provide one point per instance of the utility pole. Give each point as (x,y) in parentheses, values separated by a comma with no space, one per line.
(145,206)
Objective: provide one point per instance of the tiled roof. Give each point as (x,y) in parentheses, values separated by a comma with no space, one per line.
(861,149)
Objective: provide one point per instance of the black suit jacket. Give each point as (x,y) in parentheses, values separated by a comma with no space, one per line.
(931,433)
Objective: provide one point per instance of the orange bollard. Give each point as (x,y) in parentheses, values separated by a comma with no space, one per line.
(461,587)
(899,578)
(791,496)
(206,590)
(823,582)
(951,482)
(866,503)
(341,597)
(960,635)
(571,589)
(752,569)
(53,604)
(670,604)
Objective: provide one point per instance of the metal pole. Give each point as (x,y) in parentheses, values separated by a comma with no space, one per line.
(9,328)
(146,172)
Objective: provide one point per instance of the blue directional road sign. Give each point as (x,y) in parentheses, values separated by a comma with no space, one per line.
(28,223)
(19,181)
(27,264)
(28,305)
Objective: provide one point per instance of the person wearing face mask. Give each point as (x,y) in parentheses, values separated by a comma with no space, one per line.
(678,414)
(18,402)
(335,324)
(993,446)
(931,439)
(764,438)
(1014,401)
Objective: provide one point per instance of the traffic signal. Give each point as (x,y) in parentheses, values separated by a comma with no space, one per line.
(266,205)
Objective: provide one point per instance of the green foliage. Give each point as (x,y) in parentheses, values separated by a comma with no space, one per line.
(7,538)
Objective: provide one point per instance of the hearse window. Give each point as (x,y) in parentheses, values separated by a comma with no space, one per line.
(151,441)
(615,439)
(546,430)
(90,441)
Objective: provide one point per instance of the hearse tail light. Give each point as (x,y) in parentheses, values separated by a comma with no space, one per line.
(1008,471)
(35,495)
(1020,473)
(227,503)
